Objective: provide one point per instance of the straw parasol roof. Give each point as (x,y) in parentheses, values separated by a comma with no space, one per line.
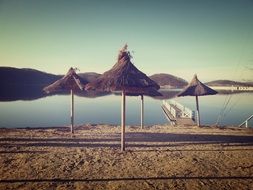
(197,88)
(124,76)
(71,81)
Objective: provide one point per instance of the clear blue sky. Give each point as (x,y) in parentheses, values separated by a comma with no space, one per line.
(213,38)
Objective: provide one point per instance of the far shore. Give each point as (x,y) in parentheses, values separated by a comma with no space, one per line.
(221,88)
(233,88)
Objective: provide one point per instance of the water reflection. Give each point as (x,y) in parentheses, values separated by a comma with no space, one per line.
(33,92)
(53,110)
(30,92)
(21,92)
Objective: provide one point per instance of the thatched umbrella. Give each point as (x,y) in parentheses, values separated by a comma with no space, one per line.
(124,77)
(71,81)
(197,88)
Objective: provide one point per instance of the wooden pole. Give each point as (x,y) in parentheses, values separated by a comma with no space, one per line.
(142,111)
(198,115)
(72,111)
(123,120)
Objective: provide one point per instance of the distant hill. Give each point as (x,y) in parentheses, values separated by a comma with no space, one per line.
(89,76)
(15,76)
(23,84)
(228,83)
(27,84)
(167,80)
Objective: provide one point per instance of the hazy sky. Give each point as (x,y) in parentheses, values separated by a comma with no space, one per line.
(213,38)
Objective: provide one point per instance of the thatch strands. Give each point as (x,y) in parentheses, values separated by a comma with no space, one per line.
(71,81)
(197,88)
(124,77)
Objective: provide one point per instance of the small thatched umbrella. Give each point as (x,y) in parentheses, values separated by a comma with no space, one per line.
(124,77)
(197,88)
(71,81)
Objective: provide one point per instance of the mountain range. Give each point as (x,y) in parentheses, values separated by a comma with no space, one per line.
(10,76)
(25,83)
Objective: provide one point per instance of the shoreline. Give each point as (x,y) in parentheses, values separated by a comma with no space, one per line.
(80,126)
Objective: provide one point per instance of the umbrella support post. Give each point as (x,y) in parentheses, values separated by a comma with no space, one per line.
(142,111)
(72,112)
(123,120)
(198,116)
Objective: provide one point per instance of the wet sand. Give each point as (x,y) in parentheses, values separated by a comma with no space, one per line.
(157,157)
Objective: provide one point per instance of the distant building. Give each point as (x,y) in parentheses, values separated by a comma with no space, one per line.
(233,88)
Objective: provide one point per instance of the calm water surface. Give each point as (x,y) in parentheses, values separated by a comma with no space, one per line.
(55,110)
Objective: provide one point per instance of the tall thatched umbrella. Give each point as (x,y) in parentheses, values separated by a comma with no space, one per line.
(124,77)
(71,81)
(197,88)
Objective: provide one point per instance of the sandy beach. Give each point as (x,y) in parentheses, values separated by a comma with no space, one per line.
(157,157)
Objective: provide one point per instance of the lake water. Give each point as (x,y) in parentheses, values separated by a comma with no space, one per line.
(55,110)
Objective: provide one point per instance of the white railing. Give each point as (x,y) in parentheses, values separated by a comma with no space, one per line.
(184,111)
(246,121)
(170,108)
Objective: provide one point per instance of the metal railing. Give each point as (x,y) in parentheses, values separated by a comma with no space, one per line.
(246,121)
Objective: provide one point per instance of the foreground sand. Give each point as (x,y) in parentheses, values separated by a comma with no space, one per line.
(157,157)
